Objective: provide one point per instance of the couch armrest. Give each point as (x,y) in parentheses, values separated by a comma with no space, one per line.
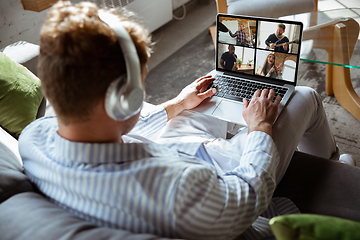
(12,178)
(322,186)
(24,53)
(30,214)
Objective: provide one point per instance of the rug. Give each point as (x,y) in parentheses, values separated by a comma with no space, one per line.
(196,59)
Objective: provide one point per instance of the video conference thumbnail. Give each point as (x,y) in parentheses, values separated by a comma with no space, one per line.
(255,47)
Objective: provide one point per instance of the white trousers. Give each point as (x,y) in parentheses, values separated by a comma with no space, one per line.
(302,125)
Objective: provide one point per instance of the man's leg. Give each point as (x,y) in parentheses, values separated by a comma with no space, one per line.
(302,124)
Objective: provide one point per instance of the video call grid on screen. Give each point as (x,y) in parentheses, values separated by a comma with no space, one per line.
(252,46)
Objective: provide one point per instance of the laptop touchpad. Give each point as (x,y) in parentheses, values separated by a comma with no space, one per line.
(232,111)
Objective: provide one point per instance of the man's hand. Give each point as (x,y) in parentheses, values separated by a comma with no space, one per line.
(261,112)
(285,46)
(272,46)
(190,97)
(193,94)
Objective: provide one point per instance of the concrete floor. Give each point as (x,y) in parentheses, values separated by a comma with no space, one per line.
(175,34)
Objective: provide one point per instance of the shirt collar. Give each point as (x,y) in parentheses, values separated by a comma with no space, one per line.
(68,152)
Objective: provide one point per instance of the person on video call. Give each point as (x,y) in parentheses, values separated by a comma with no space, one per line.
(228,59)
(240,35)
(269,68)
(278,41)
(187,182)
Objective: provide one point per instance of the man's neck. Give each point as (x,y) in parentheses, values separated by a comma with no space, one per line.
(99,128)
(87,132)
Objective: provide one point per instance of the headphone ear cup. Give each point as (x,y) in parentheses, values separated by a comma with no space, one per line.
(120,103)
(134,99)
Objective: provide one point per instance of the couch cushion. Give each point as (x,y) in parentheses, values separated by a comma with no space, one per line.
(12,178)
(30,214)
(20,96)
(312,227)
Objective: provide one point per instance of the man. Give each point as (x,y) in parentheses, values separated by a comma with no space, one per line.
(228,59)
(278,41)
(110,173)
(240,36)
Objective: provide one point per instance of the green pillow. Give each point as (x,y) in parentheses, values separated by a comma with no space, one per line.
(20,96)
(312,226)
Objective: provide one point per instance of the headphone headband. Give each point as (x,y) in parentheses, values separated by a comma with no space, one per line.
(124,101)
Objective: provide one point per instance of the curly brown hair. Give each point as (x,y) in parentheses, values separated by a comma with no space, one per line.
(80,56)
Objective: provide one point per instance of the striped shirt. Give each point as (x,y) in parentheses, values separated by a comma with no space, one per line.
(171,190)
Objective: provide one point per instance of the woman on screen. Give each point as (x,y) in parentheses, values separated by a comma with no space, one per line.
(269,68)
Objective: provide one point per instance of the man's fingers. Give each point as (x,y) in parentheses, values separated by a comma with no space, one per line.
(245,103)
(271,94)
(277,100)
(264,93)
(257,93)
(208,93)
(203,78)
(203,84)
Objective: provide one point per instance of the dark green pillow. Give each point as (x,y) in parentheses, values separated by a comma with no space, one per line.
(20,96)
(314,227)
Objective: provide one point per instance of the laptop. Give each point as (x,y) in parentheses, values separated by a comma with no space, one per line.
(252,53)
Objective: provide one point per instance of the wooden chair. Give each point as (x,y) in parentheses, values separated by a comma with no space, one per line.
(260,8)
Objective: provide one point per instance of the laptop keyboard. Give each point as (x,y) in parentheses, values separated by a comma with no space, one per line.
(236,89)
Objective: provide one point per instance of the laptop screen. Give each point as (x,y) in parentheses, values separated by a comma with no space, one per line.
(266,48)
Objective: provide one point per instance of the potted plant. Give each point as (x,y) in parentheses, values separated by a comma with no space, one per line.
(239,62)
(249,62)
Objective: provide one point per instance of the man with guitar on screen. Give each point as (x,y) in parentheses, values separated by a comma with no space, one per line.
(278,41)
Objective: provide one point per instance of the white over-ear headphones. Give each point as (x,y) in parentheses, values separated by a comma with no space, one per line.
(124,100)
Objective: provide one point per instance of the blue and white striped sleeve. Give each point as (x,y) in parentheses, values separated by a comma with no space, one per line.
(152,119)
(209,206)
